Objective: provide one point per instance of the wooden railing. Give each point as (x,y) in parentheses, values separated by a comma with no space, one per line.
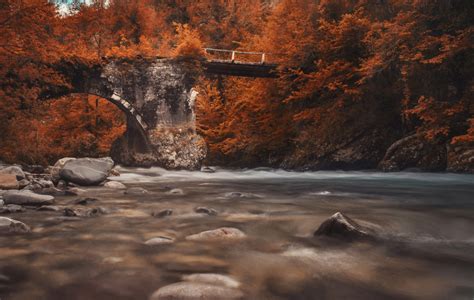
(235,56)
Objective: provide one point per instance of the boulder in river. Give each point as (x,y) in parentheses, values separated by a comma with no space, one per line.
(86,171)
(8,182)
(26,197)
(220,234)
(14,170)
(84,201)
(8,225)
(342,227)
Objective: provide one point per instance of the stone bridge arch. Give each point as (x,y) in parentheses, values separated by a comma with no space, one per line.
(157,96)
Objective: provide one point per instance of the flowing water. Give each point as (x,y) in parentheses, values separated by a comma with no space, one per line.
(426,220)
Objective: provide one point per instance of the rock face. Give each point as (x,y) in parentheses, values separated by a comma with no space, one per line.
(8,225)
(342,227)
(349,151)
(415,152)
(86,171)
(27,197)
(461,158)
(8,182)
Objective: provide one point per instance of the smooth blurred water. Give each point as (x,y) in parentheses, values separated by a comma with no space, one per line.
(427,221)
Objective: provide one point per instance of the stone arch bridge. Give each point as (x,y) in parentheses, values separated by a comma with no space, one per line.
(157,97)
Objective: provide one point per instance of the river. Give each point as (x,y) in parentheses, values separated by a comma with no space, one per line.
(426,219)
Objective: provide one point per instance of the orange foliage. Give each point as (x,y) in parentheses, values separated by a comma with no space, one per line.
(346,67)
(189,44)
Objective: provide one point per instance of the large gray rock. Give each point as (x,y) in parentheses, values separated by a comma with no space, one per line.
(8,225)
(196,290)
(342,227)
(86,171)
(8,182)
(14,170)
(26,197)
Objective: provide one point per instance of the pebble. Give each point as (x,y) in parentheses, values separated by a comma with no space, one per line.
(161,240)
(115,185)
(175,192)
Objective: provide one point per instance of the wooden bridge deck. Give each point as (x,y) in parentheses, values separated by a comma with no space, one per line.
(239,63)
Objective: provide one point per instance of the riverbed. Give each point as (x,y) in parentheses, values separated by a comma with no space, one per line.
(426,221)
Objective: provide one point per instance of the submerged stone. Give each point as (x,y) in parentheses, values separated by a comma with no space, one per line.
(136,191)
(175,192)
(220,234)
(11,208)
(212,278)
(8,225)
(205,210)
(84,212)
(162,213)
(161,240)
(196,290)
(115,185)
(235,195)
